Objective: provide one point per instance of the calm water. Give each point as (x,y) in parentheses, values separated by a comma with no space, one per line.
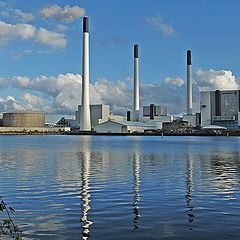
(93,187)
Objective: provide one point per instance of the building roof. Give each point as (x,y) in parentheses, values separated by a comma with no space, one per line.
(214,127)
(130,123)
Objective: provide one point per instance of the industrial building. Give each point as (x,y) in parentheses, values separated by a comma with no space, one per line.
(66,122)
(177,124)
(221,108)
(153,111)
(122,127)
(24,119)
(99,113)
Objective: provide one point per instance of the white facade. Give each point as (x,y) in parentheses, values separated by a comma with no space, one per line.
(122,127)
(220,108)
(205,106)
(157,121)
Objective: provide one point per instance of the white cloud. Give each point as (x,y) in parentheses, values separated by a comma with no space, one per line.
(7,11)
(62,93)
(22,16)
(159,24)
(53,39)
(29,32)
(216,80)
(67,13)
(9,104)
(35,103)
(178,82)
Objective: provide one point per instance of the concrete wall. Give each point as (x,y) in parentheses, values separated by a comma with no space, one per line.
(113,127)
(33,129)
(24,120)
(110,127)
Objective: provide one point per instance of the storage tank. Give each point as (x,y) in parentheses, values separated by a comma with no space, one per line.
(24,119)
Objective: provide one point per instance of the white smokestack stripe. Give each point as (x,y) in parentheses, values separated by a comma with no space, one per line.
(85,121)
(189,83)
(136,105)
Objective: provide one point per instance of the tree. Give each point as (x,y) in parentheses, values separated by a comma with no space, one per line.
(7,226)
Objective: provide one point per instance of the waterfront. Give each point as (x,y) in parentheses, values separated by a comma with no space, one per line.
(122,187)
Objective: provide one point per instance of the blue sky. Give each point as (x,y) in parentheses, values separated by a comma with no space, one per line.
(41,47)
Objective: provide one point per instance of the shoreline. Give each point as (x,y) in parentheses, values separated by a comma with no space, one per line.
(157,134)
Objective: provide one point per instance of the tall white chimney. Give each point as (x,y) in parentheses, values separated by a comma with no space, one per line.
(136,80)
(189,83)
(85,121)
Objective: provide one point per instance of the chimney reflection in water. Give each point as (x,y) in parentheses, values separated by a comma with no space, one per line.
(136,181)
(86,157)
(189,183)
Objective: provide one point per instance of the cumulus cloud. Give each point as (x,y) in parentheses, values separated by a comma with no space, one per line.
(62,93)
(9,104)
(159,24)
(213,80)
(29,32)
(178,82)
(67,13)
(7,11)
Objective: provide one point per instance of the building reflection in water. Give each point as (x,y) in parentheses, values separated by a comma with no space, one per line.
(85,158)
(189,185)
(136,182)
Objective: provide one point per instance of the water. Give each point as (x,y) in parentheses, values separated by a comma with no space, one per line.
(93,187)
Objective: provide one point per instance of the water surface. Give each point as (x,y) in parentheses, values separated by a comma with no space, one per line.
(102,187)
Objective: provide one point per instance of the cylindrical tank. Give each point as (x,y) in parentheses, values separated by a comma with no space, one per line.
(24,119)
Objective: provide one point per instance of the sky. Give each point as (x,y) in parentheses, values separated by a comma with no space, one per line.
(41,52)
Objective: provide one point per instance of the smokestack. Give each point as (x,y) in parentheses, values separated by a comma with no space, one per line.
(189,83)
(85,122)
(136,80)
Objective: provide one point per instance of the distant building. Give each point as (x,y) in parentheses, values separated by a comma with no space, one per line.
(220,108)
(99,113)
(178,124)
(192,119)
(66,122)
(153,111)
(122,127)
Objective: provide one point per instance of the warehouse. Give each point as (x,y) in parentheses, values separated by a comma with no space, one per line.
(122,127)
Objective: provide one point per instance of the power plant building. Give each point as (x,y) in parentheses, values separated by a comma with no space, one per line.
(221,108)
(122,127)
(99,113)
(153,111)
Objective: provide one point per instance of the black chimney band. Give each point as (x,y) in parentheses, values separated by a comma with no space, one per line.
(135,51)
(189,60)
(85,24)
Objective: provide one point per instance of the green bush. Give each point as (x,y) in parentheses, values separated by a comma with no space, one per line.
(7,226)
